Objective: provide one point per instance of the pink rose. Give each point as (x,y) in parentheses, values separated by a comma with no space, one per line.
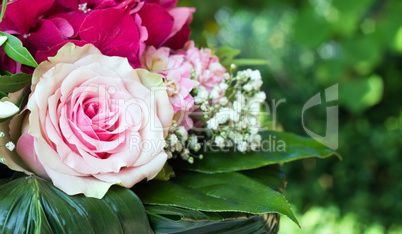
(94,121)
(177,74)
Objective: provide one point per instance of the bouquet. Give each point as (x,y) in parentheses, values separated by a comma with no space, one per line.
(112,120)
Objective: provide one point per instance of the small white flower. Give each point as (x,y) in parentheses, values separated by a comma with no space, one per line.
(260,96)
(237,106)
(223,86)
(227,76)
(248,87)
(197,147)
(2,134)
(255,75)
(224,101)
(173,139)
(232,66)
(212,124)
(192,140)
(257,138)
(215,93)
(242,147)
(181,131)
(257,84)
(179,147)
(253,108)
(202,95)
(220,141)
(10,146)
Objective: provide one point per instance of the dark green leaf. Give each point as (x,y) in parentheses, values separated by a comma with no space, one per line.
(225,192)
(166,219)
(5,73)
(2,94)
(33,205)
(14,83)
(3,9)
(278,147)
(15,50)
(271,176)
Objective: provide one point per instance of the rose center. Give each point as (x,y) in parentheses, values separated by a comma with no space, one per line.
(92,110)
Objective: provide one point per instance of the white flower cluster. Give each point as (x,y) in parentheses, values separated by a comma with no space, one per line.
(231,110)
(179,142)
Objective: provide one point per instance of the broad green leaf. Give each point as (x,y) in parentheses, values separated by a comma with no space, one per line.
(14,83)
(278,147)
(165,219)
(224,192)
(3,9)
(271,176)
(2,94)
(33,205)
(15,50)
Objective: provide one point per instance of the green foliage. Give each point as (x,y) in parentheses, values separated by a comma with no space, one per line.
(312,45)
(16,51)
(14,83)
(214,193)
(3,9)
(33,205)
(176,220)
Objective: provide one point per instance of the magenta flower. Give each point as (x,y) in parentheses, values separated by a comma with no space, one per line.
(117,28)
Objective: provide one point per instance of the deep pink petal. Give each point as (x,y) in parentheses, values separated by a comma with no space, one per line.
(64,26)
(47,36)
(158,22)
(179,40)
(75,18)
(71,4)
(180,32)
(110,28)
(23,12)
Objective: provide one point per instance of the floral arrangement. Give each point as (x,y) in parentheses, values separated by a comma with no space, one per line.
(116,122)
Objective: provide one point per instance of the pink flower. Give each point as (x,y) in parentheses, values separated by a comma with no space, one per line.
(94,121)
(177,74)
(209,72)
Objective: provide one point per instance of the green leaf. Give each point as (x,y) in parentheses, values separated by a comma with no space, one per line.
(166,219)
(224,192)
(3,9)
(2,94)
(33,205)
(14,83)
(278,147)
(5,73)
(15,50)
(250,62)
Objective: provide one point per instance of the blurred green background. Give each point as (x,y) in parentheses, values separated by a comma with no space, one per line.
(312,45)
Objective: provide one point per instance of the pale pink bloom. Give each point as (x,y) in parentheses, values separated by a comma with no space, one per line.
(90,118)
(209,72)
(177,74)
